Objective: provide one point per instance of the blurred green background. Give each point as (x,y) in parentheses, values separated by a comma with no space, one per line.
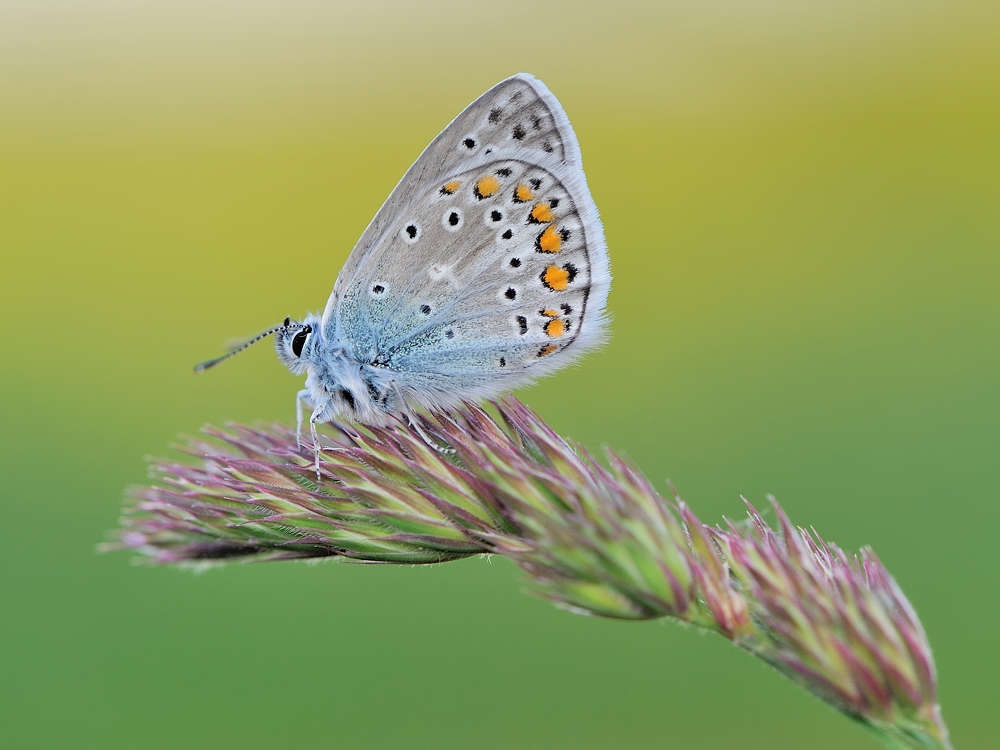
(802,201)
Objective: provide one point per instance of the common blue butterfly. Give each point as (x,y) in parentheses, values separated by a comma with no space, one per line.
(484,270)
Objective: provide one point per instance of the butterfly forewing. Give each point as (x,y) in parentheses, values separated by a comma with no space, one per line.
(519,112)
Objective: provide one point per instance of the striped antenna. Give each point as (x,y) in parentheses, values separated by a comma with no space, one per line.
(213,362)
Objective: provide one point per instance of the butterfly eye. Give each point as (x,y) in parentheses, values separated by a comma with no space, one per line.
(300,340)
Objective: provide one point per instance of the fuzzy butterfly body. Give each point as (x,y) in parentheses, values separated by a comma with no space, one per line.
(485,269)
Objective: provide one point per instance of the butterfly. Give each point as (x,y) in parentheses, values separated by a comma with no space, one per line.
(485,269)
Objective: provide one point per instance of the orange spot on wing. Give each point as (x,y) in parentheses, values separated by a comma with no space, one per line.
(550,313)
(550,241)
(523,194)
(542,213)
(487,186)
(451,187)
(547,349)
(555,278)
(555,328)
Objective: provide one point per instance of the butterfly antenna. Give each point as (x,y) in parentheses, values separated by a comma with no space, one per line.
(213,362)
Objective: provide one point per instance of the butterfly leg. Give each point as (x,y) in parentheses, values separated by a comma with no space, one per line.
(426,438)
(415,426)
(299,398)
(315,442)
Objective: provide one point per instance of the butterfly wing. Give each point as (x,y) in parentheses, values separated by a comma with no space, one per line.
(519,111)
(492,270)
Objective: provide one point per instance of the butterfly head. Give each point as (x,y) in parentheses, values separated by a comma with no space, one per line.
(295,343)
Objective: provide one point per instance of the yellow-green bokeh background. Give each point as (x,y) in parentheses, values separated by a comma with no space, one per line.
(802,201)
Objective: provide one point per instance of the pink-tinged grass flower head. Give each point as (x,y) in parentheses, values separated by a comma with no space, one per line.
(596,539)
